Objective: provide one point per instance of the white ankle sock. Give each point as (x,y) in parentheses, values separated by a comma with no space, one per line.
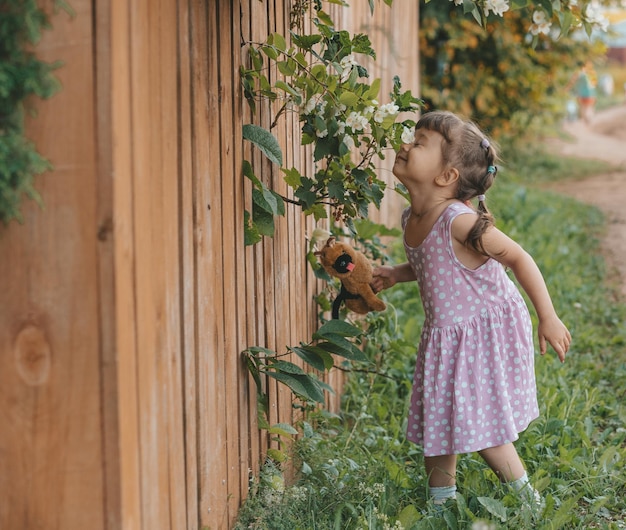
(442,494)
(527,493)
(519,484)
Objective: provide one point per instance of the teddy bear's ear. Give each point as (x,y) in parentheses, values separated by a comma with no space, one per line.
(331,241)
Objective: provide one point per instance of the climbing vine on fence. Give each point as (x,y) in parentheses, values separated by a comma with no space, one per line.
(22,75)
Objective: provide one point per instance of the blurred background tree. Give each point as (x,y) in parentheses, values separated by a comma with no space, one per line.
(509,76)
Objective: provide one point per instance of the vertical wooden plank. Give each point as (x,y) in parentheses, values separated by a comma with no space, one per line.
(124,263)
(250,288)
(50,401)
(147,182)
(207,176)
(188,279)
(167,209)
(106,265)
(229,253)
(285,324)
(244,390)
(262,279)
(155,164)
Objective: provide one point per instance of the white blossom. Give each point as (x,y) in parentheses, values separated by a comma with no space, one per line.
(348,141)
(321,134)
(497,6)
(457,2)
(346,64)
(356,121)
(385,110)
(408,135)
(319,234)
(595,17)
(310,105)
(540,24)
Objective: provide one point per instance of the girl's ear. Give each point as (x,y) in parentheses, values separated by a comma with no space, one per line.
(448,176)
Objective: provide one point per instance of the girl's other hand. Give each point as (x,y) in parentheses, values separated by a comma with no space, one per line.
(384,277)
(554,331)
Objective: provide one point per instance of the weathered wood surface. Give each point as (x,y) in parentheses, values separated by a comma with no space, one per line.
(128,299)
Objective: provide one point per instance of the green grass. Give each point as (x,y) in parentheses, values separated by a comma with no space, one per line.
(357,471)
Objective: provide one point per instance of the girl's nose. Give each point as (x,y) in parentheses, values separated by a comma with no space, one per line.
(405,147)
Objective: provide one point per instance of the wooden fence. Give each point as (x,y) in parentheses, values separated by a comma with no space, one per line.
(127,300)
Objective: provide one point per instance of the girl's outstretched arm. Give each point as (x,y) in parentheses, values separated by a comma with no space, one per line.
(503,249)
(387,276)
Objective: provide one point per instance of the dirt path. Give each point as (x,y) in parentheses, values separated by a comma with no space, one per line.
(604,139)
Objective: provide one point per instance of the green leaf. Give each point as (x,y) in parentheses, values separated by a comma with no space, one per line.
(374,89)
(318,211)
(270,52)
(283,429)
(251,234)
(304,386)
(265,141)
(301,59)
(494,507)
(285,68)
(339,327)
(352,353)
(247,171)
(310,357)
(263,221)
(325,18)
(268,200)
(292,177)
(348,98)
(326,358)
(336,189)
(305,42)
(286,367)
(277,455)
(409,516)
(277,40)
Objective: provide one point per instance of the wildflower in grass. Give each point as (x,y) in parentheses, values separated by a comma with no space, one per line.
(483,525)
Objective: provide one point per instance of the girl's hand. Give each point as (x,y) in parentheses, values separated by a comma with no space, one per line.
(384,277)
(554,331)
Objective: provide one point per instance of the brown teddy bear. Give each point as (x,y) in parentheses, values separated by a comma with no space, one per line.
(355,272)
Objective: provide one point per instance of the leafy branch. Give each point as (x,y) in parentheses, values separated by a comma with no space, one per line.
(340,117)
(22,75)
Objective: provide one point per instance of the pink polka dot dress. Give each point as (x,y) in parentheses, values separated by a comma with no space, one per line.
(474,384)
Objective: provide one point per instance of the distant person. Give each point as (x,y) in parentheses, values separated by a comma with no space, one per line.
(474,385)
(584,83)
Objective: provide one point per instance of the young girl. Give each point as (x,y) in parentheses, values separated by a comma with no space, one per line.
(474,384)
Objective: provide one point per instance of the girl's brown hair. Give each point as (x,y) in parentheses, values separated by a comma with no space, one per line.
(468,150)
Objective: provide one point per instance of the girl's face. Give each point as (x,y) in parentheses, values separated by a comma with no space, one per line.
(422,160)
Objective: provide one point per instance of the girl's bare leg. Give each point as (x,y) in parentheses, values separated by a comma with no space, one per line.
(504,461)
(441,470)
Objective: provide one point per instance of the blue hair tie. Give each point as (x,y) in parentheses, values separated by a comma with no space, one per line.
(492,169)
